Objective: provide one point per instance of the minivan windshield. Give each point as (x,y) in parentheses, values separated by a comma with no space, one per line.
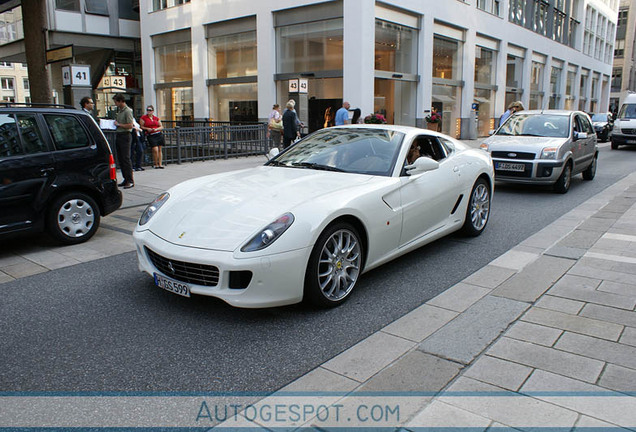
(627,112)
(541,125)
(600,118)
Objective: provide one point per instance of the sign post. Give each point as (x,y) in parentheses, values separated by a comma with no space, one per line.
(76,80)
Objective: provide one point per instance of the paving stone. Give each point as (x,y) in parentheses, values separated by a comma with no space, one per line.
(594,296)
(420,323)
(447,417)
(534,333)
(413,372)
(581,239)
(321,380)
(587,399)
(5,277)
(565,252)
(560,304)
(459,297)
(368,357)
(619,378)
(606,214)
(24,269)
(597,224)
(589,269)
(594,348)
(10,259)
(589,424)
(579,282)
(549,359)
(515,260)
(498,372)
(489,276)
(471,332)
(534,280)
(573,323)
(628,337)
(508,408)
(548,236)
(619,237)
(613,315)
(612,263)
(617,288)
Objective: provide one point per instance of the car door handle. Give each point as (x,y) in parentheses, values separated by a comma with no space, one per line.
(456,169)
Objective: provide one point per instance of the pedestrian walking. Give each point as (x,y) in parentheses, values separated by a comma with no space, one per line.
(342,115)
(290,126)
(124,121)
(275,126)
(151,125)
(137,147)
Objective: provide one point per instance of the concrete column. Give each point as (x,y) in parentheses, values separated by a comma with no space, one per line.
(200,93)
(547,74)
(147,59)
(359,54)
(500,74)
(425,70)
(469,123)
(266,55)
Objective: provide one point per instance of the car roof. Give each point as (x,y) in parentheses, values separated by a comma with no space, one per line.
(550,111)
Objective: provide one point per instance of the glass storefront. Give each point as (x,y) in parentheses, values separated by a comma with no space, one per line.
(310,47)
(173,65)
(536,86)
(447,76)
(234,102)
(514,79)
(555,87)
(395,52)
(485,63)
(569,90)
(583,90)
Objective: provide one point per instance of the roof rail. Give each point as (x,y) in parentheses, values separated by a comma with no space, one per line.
(35,105)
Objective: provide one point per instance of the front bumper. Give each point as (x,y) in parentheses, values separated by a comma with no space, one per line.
(277,280)
(539,171)
(623,139)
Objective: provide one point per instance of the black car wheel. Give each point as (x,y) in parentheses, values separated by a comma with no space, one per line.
(334,266)
(590,171)
(614,146)
(73,218)
(562,185)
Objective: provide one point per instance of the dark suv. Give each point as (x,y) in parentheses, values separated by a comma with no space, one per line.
(57,172)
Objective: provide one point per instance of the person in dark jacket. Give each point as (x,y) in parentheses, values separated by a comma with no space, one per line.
(290,127)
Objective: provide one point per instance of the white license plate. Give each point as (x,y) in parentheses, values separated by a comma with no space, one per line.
(631,141)
(172,285)
(505,166)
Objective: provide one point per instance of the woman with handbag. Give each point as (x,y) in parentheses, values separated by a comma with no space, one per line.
(151,125)
(275,126)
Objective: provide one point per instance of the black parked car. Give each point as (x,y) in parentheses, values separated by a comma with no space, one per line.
(603,125)
(57,172)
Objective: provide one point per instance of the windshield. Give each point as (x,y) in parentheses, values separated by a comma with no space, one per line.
(542,125)
(599,118)
(628,111)
(352,150)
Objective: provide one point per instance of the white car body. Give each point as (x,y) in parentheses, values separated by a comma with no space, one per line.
(209,220)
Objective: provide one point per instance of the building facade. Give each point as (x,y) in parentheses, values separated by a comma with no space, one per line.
(104,40)
(14,82)
(624,71)
(232,60)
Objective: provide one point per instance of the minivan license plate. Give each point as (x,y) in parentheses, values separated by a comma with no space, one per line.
(172,285)
(505,166)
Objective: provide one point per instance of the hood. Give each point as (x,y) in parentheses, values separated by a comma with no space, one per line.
(223,211)
(522,143)
(599,124)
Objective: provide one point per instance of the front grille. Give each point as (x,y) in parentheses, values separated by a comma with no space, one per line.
(198,274)
(628,131)
(509,155)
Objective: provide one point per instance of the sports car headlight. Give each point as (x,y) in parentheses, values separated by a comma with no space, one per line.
(269,234)
(153,208)
(549,153)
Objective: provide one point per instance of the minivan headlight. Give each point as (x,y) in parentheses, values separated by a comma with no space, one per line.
(153,208)
(269,234)
(549,152)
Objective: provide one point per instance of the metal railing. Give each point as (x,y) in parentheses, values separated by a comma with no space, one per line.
(189,144)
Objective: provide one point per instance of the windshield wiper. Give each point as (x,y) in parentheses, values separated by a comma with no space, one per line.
(276,163)
(317,166)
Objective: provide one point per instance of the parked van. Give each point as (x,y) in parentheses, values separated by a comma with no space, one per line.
(624,132)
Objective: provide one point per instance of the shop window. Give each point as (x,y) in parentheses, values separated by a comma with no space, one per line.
(173,63)
(310,47)
(395,47)
(446,58)
(232,56)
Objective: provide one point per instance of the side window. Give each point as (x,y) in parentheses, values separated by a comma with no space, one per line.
(448,145)
(9,140)
(31,137)
(587,126)
(67,132)
(576,123)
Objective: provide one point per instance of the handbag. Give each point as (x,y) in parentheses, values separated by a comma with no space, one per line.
(276,125)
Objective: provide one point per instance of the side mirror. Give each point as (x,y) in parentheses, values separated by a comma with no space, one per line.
(580,135)
(421,165)
(273,153)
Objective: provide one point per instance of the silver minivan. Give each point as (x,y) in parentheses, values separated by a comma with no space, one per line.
(544,147)
(624,132)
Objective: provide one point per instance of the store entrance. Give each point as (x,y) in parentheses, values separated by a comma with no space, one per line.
(243,111)
(318,112)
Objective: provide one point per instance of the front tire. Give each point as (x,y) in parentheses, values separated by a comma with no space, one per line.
(478,211)
(562,185)
(334,266)
(73,218)
(614,146)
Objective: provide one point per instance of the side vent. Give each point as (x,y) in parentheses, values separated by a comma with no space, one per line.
(459,200)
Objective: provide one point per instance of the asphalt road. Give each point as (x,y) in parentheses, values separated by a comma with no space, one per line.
(103,326)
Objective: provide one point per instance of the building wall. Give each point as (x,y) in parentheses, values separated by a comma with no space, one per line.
(479,31)
(17,72)
(625,59)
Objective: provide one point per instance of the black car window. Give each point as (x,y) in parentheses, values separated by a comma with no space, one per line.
(9,141)
(67,132)
(31,137)
(586,125)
